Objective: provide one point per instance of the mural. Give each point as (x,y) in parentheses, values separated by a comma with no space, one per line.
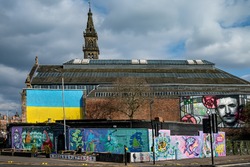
(138,141)
(181,147)
(17,137)
(44,105)
(163,146)
(192,109)
(219,144)
(109,140)
(228,109)
(28,138)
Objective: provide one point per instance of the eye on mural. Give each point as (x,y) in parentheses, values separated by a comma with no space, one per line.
(228,109)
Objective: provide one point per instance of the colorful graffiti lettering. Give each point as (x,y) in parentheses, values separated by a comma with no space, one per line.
(190,146)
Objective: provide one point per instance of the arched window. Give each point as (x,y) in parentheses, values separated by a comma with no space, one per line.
(91,43)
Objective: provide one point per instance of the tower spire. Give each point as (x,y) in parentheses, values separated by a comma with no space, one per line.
(90,49)
(89,6)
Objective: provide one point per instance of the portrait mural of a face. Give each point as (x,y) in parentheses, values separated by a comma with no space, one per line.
(229,111)
(227,108)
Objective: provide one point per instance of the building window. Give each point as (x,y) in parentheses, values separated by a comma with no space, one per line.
(44,86)
(71,86)
(53,87)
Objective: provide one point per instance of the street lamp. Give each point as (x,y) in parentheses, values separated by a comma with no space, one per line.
(7,117)
(63,106)
(153,129)
(64,120)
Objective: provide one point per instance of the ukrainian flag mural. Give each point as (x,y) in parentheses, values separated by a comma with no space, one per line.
(44,105)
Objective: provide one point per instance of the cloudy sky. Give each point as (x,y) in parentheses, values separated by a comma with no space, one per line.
(214,30)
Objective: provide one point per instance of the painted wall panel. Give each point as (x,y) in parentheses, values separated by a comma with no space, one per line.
(181,147)
(28,137)
(53,98)
(42,114)
(113,140)
(16,140)
(109,140)
(43,105)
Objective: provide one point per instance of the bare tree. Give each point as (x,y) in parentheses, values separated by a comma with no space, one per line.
(246,118)
(99,109)
(130,94)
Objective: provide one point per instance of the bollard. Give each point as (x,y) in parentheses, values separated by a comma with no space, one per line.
(125,154)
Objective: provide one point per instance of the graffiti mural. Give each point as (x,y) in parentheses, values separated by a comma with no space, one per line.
(163,147)
(30,137)
(192,109)
(109,140)
(17,137)
(76,138)
(187,147)
(228,109)
(219,145)
(138,141)
(181,147)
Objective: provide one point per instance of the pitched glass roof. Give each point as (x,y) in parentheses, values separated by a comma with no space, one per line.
(134,74)
(140,61)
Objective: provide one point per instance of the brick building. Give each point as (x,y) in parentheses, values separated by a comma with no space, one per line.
(177,87)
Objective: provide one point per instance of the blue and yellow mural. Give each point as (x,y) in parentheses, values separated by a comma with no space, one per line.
(48,104)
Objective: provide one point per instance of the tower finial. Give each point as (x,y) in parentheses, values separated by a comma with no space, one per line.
(89,6)
(36,60)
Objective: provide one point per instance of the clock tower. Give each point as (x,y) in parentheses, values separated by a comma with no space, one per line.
(90,49)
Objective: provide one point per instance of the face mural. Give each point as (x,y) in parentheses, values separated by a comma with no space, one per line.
(227,108)
(229,111)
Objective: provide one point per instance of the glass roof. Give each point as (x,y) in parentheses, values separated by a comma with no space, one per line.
(133,74)
(140,61)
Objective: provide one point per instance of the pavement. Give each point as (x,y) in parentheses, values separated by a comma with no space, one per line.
(218,161)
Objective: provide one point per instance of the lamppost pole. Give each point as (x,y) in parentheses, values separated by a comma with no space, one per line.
(64,114)
(7,117)
(153,128)
(64,119)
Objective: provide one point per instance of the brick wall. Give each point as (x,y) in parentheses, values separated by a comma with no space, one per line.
(167,109)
